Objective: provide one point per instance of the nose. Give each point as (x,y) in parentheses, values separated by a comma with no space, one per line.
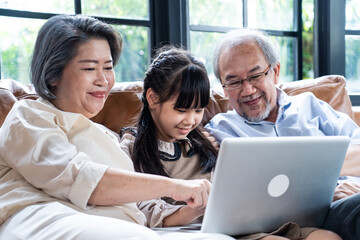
(101,79)
(189,118)
(248,88)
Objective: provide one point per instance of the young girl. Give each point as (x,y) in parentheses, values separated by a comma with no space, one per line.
(168,140)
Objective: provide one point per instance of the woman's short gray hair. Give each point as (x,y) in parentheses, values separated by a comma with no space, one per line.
(57,43)
(242,36)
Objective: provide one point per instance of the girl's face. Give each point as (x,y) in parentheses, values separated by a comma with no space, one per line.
(173,124)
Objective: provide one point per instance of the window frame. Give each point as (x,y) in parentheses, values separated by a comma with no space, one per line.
(296,33)
(149,23)
(329,40)
(169,23)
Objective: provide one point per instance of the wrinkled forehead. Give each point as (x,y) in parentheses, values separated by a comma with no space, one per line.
(241,58)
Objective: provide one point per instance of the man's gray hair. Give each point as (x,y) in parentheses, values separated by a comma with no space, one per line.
(242,36)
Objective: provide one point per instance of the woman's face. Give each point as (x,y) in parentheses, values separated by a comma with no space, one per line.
(86,80)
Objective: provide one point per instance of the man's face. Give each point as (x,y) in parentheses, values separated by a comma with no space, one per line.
(255,101)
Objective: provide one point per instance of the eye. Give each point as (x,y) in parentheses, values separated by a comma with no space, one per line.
(89,69)
(234,83)
(180,110)
(199,110)
(255,77)
(109,68)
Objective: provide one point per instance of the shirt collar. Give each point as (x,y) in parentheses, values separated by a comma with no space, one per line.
(171,151)
(283,101)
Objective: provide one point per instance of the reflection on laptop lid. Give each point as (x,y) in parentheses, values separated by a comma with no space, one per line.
(261,183)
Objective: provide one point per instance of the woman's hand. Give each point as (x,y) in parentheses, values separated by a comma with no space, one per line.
(141,187)
(212,140)
(194,192)
(346,189)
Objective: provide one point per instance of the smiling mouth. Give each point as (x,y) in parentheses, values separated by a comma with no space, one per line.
(251,100)
(98,94)
(184,130)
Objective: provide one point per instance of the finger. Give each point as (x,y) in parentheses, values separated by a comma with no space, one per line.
(208,186)
(211,138)
(338,196)
(205,199)
(353,187)
(215,145)
(197,200)
(347,188)
(206,134)
(345,193)
(207,192)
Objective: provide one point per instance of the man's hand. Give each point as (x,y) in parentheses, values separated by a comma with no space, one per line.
(212,140)
(346,189)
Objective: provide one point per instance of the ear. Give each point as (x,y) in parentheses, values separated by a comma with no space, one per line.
(152,98)
(224,89)
(276,69)
(53,83)
(225,92)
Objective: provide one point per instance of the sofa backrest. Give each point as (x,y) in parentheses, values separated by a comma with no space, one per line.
(124,105)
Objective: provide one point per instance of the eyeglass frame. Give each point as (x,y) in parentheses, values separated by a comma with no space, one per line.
(248,79)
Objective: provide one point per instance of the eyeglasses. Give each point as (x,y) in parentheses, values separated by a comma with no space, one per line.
(253,80)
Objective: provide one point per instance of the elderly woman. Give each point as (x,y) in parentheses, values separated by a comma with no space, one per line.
(61,175)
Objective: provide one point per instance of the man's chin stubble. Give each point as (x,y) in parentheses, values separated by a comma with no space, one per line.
(260,117)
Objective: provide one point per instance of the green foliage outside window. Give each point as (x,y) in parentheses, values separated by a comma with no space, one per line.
(308,39)
(17,38)
(131,9)
(17,35)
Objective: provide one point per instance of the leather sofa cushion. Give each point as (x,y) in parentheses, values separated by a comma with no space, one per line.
(123,104)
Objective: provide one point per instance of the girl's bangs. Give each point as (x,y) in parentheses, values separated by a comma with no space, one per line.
(194,89)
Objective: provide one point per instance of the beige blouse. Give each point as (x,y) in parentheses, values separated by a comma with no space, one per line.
(49,155)
(185,167)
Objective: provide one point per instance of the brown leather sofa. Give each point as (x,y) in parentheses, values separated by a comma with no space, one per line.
(123,105)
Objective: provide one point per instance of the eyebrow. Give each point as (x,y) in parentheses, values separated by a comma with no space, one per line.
(229,77)
(93,61)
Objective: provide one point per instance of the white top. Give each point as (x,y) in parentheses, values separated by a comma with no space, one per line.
(50,155)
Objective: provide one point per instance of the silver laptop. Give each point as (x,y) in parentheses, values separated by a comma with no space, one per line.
(261,183)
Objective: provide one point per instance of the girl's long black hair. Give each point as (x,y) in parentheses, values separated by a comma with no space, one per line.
(173,72)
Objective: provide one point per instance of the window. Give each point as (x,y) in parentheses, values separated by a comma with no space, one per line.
(207,24)
(17,38)
(336,42)
(208,20)
(352,45)
(24,18)
(314,37)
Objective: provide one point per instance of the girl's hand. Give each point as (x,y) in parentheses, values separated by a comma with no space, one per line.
(183,216)
(346,189)
(212,140)
(194,192)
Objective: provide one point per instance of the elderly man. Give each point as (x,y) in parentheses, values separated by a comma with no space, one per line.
(248,68)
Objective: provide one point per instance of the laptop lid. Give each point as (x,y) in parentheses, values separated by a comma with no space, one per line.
(261,183)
